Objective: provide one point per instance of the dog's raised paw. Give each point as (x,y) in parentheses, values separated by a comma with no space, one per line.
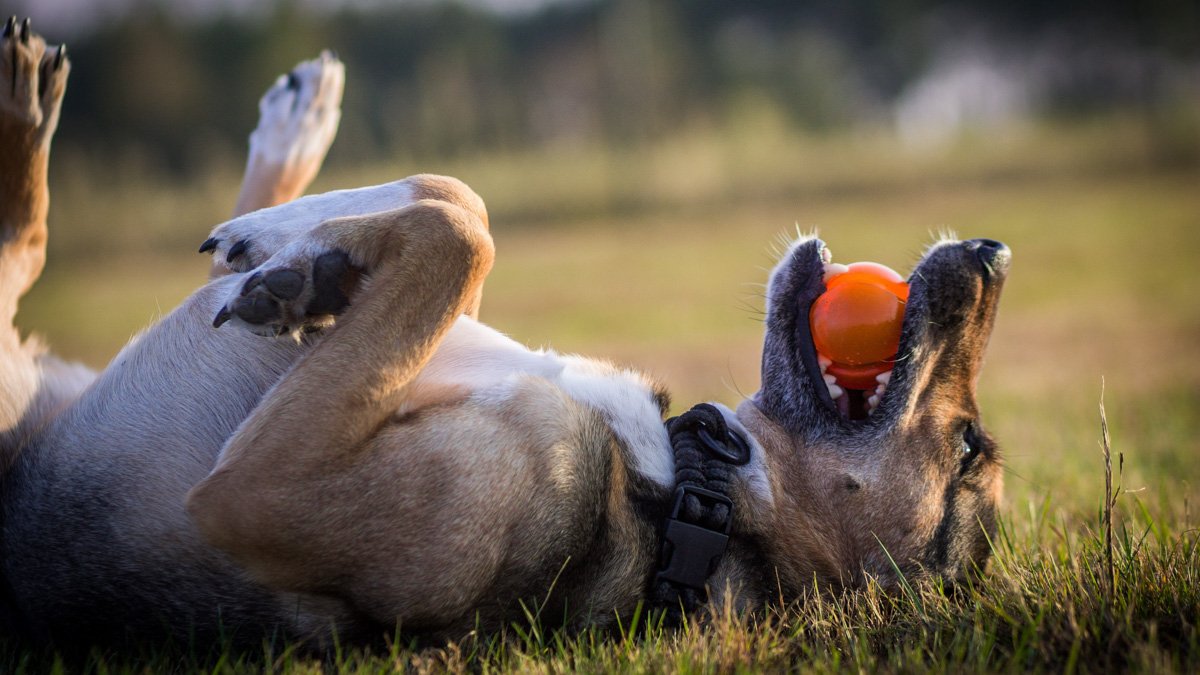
(292,299)
(299,115)
(33,78)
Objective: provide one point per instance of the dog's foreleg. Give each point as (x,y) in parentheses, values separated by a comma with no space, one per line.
(33,78)
(298,119)
(267,502)
(245,243)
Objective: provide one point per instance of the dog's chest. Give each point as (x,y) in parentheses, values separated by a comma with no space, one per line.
(476,361)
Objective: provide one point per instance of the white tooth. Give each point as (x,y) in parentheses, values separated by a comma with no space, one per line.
(826,254)
(829,379)
(823,362)
(884,377)
(835,392)
(879,390)
(834,269)
(872,401)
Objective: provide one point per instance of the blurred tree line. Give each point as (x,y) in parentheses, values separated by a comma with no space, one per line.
(445,79)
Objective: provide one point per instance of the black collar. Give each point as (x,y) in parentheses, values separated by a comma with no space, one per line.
(695,535)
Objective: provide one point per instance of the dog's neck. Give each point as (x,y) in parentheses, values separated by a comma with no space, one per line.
(719,475)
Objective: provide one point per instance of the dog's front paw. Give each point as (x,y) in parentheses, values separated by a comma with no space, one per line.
(248,241)
(240,246)
(33,77)
(301,295)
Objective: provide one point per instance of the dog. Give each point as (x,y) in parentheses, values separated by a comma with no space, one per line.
(324,438)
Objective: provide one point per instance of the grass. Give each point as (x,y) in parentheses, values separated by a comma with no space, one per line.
(656,258)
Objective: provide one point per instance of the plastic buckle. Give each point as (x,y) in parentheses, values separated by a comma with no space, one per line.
(693,551)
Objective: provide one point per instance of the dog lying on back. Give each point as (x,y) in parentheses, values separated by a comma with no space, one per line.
(324,437)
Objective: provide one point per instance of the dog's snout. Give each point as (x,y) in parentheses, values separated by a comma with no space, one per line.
(994,255)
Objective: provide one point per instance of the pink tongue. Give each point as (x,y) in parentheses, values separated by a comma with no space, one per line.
(843,405)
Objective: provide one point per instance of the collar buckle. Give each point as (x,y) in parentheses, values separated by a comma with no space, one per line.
(691,551)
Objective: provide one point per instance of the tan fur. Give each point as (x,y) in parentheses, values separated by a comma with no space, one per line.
(451,191)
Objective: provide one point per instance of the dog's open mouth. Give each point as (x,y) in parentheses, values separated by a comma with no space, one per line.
(855,329)
(949,300)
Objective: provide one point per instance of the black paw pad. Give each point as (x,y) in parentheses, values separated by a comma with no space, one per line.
(284,284)
(333,279)
(259,309)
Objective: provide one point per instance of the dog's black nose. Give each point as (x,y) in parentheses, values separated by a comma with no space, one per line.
(994,255)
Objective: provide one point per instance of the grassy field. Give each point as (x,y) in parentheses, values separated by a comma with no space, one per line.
(656,259)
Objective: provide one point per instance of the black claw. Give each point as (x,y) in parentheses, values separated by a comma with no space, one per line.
(236,250)
(209,244)
(293,81)
(25,31)
(253,282)
(222,317)
(60,56)
(334,54)
(10,26)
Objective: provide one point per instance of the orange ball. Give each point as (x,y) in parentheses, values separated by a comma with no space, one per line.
(856,323)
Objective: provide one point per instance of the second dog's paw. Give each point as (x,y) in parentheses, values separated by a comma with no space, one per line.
(33,78)
(291,298)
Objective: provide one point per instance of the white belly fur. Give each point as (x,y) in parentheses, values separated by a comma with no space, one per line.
(484,364)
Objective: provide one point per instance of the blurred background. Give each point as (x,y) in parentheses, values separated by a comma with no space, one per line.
(640,157)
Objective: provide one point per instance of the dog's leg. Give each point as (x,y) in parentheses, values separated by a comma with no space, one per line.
(33,78)
(247,242)
(422,267)
(298,118)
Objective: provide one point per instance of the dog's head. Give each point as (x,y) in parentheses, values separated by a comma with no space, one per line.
(911,485)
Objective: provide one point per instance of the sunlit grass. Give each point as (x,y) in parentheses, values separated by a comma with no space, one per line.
(1045,606)
(658,259)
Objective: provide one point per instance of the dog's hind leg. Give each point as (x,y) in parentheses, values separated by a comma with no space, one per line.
(298,119)
(33,78)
